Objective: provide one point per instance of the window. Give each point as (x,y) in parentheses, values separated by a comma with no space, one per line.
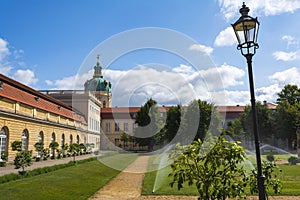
(41,137)
(107,127)
(117,128)
(77,139)
(125,126)
(25,140)
(62,140)
(53,137)
(104,104)
(3,141)
(134,125)
(71,139)
(117,142)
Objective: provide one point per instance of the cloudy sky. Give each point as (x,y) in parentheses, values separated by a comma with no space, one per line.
(189,51)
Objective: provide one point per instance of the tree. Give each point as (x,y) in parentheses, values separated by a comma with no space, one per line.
(149,125)
(124,139)
(53,146)
(173,122)
(214,168)
(39,146)
(290,93)
(23,159)
(16,145)
(287,122)
(74,149)
(265,120)
(199,118)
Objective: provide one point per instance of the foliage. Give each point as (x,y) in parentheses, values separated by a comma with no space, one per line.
(64,148)
(290,93)
(39,147)
(293,160)
(53,146)
(4,156)
(124,139)
(173,122)
(23,159)
(74,149)
(16,145)
(212,166)
(270,157)
(265,121)
(199,118)
(46,153)
(272,175)
(82,148)
(149,125)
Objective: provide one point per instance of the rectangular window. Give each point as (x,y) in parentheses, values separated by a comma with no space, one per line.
(125,126)
(107,127)
(117,128)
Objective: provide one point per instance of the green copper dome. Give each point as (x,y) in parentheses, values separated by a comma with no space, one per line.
(97,83)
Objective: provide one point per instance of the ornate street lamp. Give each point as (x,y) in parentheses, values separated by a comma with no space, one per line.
(246,30)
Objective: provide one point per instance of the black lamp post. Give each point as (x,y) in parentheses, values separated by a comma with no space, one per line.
(246,30)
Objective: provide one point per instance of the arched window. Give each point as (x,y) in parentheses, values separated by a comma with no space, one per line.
(62,140)
(41,137)
(25,138)
(71,139)
(77,139)
(3,141)
(53,137)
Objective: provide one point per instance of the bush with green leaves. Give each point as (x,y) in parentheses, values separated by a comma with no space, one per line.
(272,175)
(293,160)
(53,146)
(16,145)
(270,157)
(214,167)
(23,159)
(74,149)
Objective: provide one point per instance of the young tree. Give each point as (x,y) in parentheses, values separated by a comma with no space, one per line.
(53,146)
(149,125)
(200,116)
(214,168)
(39,146)
(74,149)
(265,120)
(173,122)
(23,159)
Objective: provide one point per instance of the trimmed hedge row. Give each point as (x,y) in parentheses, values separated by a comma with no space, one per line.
(43,170)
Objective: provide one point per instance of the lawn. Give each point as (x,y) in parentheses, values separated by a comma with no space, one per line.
(75,182)
(157,182)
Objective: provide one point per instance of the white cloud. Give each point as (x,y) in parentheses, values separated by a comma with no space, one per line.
(225,38)
(26,77)
(290,40)
(48,82)
(230,75)
(202,48)
(230,8)
(289,76)
(287,56)
(4,51)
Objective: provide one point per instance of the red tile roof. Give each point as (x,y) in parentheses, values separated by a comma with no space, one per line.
(18,92)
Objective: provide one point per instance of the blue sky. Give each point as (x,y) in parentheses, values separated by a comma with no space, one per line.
(45,44)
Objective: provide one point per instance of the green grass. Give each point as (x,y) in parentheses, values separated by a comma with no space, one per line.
(290,179)
(75,182)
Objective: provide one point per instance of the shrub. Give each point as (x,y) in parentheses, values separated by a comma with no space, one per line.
(23,159)
(270,157)
(293,160)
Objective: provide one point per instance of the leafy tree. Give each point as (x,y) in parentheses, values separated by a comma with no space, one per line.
(39,146)
(82,148)
(124,139)
(23,159)
(53,146)
(265,121)
(200,116)
(149,125)
(212,167)
(235,129)
(16,145)
(290,93)
(64,148)
(173,121)
(287,122)
(74,149)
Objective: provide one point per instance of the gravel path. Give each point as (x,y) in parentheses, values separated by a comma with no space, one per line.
(125,185)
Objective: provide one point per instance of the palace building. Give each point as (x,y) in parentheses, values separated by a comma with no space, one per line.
(30,116)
